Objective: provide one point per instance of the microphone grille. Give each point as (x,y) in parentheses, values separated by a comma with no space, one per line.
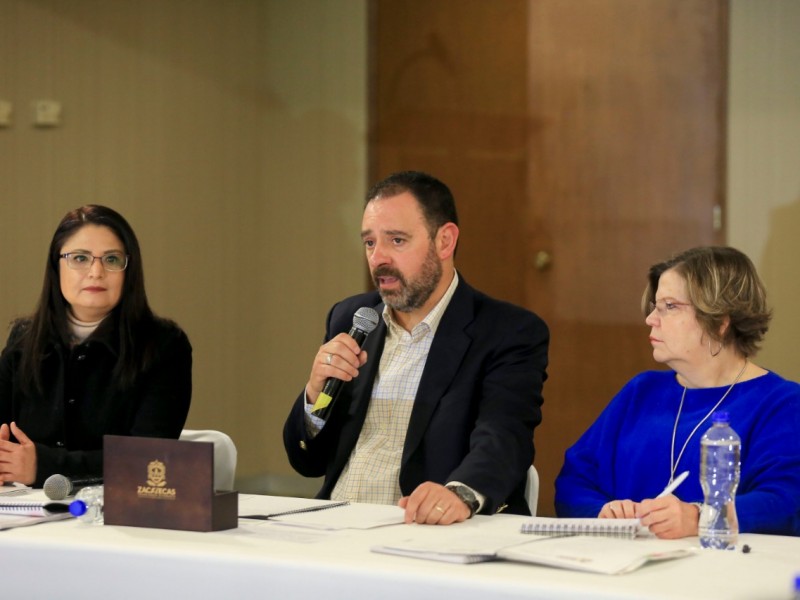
(366,319)
(57,487)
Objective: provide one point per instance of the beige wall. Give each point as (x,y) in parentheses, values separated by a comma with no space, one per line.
(232,137)
(764,162)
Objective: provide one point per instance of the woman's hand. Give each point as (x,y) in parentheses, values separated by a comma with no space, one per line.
(17,460)
(668,517)
(619,509)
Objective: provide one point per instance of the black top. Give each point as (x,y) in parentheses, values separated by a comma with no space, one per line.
(80,402)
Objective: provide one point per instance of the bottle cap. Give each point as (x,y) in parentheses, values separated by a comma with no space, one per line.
(77,508)
(721,416)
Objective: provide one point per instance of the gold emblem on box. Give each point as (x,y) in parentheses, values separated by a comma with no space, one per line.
(156,473)
(156,487)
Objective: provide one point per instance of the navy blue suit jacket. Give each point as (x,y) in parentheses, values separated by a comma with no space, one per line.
(478,402)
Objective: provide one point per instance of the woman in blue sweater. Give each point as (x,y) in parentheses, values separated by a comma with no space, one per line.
(707,313)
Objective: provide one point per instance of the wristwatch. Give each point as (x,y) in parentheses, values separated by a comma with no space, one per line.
(467,496)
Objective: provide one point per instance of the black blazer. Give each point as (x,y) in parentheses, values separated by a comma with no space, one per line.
(477,405)
(79,404)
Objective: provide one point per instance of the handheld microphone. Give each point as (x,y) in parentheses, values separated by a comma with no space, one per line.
(365,320)
(58,487)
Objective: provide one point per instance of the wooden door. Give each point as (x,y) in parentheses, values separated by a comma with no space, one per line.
(583,140)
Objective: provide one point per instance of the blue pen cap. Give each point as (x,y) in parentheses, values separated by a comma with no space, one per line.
(77,508)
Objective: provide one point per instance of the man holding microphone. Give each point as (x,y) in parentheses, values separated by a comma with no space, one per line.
(437,407)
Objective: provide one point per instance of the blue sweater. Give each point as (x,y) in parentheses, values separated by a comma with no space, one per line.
(625,454)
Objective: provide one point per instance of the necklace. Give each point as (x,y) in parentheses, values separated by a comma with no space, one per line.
(674,463)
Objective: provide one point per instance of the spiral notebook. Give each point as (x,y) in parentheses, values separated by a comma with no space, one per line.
(579,552)
(33,509)
(605,555)
(549,526)
(22,513)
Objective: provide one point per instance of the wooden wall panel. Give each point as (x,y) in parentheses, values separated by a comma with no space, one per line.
(594,134)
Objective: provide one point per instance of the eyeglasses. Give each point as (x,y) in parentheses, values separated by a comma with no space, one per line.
(665,307)
(83,261)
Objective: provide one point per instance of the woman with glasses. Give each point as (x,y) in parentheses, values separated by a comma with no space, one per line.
(707,313)
(92,360)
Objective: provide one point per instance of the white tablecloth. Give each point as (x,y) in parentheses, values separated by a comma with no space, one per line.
(69,559)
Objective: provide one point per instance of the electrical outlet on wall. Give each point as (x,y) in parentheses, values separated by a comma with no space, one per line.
(46,113)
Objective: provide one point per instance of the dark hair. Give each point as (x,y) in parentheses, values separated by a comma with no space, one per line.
(434,197)
(133,314)
(721,282)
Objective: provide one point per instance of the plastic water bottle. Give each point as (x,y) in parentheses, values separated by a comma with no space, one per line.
(720,450)
(88,505)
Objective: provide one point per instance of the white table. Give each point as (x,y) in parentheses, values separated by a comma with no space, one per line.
(69,559)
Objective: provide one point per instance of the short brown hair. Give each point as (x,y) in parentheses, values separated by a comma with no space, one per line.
(434,198)
(721,282)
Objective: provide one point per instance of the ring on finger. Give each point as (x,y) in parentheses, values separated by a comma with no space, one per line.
(328,359)
(439,508)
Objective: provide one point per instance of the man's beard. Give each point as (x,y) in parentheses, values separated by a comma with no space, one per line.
(413,294)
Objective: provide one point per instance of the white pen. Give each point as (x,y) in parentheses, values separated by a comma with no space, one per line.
(673,484)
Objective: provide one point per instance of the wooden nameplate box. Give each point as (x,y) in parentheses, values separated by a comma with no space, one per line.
(164,483)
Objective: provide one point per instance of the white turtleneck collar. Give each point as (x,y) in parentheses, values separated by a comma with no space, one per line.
(80,330)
